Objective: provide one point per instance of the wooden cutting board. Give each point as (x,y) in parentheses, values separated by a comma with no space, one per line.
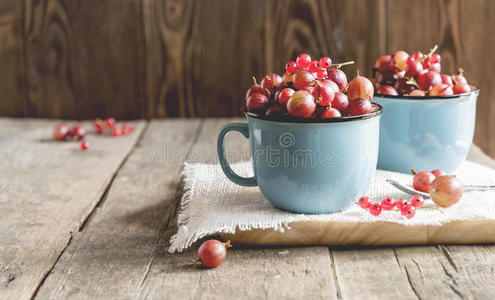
(477,231)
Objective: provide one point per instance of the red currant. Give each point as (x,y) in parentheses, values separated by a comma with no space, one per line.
(127,128)
(375,209)
(110,122)
(325,62)
(291,67)
(364,202)
(418,56)
(313,66)
(387,203)
(116,131)
(84,145)
(303,60)
(78,132)
(417,201)
(399,203)
(321,74)
(408,211)
(435,58)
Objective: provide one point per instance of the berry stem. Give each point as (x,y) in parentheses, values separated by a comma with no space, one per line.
(432,207)
(227,244)
(254,80)
(432,50)
(413,170)
(338,66)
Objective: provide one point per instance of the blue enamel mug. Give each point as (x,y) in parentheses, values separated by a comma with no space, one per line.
(426,133)
(308,165)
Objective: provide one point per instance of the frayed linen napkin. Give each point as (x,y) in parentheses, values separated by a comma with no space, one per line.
(212,204)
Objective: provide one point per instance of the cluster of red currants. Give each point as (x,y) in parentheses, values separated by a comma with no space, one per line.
(110,127)
(311,89)
(61,132)
(406,208)
(417,75)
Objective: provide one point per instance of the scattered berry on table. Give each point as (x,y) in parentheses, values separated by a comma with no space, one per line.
(85,145)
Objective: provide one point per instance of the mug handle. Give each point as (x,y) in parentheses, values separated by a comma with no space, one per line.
(244,130)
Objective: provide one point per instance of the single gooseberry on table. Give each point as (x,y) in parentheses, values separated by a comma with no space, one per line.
(212,253)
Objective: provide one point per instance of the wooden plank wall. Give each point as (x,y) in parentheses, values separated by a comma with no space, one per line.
(156,58)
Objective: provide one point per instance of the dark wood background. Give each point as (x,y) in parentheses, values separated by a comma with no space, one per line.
(155,58)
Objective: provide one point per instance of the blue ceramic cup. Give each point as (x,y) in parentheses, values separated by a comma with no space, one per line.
(426,133)
(308,165)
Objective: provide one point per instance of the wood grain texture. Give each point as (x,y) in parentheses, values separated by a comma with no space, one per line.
(166,58)
(48,191)
(12,85)
(122,251)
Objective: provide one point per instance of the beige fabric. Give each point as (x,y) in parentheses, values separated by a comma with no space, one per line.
(211,204)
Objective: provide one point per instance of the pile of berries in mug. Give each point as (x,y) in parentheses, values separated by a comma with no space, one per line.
(311,89)
(417,75)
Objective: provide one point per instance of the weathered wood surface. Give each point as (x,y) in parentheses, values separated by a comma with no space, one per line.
(156,58)
(121,251)
(47,191)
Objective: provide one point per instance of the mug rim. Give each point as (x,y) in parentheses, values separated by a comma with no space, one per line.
(292,119)
(474,90)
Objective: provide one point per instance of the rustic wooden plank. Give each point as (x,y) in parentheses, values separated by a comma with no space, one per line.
(200,56)
(48,189)
(122,252)
(110,58)
(343,30)
(50,52)
(83,58)
(476,18)
(12,102)
(109,258)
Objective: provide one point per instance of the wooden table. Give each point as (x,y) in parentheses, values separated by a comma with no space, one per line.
(97,224)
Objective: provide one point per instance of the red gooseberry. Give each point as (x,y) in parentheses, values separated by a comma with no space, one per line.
(212,253)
